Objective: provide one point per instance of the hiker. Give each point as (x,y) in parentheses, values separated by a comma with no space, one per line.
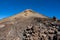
(54,18)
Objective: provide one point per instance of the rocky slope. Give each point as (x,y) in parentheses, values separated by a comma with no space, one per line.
(29,25)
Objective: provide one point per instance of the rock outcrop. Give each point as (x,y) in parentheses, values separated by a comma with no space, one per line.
(29,25)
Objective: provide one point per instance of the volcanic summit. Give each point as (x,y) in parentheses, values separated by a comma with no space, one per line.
(29,25)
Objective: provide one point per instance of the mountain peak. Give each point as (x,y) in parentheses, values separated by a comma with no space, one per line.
(32,13)
(28,13)
(28,9)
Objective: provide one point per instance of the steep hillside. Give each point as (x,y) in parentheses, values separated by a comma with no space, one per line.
(25,14)
(29,25)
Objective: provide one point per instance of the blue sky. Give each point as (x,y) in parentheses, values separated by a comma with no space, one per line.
(49,8)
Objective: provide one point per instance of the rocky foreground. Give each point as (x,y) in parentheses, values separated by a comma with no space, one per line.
(29,26)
